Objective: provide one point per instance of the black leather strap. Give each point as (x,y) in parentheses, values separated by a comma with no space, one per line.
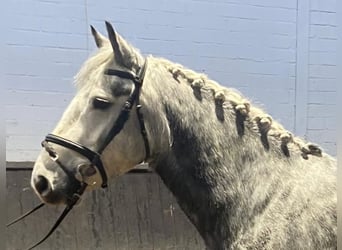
(88,153)
(137,79)
(59,220)
(91,155)
(118,126)
(26,214)
(123,74)
(124,114)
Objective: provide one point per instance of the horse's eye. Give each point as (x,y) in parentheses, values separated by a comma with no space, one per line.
(100,103)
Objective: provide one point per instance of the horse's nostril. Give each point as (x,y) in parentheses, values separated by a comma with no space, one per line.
(41,184)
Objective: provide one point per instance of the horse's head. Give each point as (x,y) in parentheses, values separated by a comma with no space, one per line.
(93,133)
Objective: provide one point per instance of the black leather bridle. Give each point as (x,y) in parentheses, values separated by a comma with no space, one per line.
(94,156)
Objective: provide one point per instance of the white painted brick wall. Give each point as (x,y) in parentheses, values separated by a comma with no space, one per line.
(247,44)
(322,98)
(45,45)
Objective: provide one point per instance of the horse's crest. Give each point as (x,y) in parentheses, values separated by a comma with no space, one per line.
(259,120)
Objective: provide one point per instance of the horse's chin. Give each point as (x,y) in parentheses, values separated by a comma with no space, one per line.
(53,198)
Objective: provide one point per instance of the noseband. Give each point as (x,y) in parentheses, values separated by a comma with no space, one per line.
(95,156)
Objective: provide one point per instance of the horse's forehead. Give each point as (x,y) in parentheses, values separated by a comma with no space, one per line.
(92,71)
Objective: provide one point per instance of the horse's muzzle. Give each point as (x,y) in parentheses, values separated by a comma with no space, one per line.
(57,194)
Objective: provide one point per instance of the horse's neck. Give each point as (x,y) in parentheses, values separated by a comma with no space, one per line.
(222,176)
(191,172)
(209,167)
(201,170)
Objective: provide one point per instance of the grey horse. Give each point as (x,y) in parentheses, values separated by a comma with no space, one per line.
(243,180)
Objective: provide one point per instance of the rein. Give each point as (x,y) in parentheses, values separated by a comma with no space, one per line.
(95,156)
(67,209)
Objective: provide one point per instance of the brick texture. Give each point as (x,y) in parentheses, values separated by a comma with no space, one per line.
(322,98)
(250,45)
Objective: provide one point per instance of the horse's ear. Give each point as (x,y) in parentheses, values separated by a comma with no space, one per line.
(100,40)
(120,47)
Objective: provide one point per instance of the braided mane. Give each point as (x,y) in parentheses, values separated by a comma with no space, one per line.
(256,119)
(247,115)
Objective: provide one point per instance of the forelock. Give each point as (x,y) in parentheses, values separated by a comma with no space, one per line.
(92,70)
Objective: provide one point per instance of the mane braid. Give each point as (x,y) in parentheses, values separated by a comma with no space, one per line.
(259,121)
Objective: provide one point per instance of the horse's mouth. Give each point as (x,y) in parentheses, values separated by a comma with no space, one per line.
(59,198)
